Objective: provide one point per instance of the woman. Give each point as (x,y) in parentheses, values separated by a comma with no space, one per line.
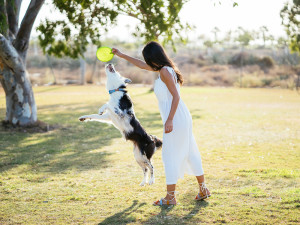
(180,153)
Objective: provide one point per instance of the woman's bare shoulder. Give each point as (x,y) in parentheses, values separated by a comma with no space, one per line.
(165,73)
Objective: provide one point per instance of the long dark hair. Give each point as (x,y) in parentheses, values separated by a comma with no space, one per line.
(156,57)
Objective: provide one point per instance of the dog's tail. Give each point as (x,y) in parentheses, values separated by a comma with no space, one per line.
(157,141)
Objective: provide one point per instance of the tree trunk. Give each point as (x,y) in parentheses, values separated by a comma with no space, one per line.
(82,71)
(20,104)
(14,42)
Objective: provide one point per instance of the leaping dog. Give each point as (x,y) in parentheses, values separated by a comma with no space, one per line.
(119,112)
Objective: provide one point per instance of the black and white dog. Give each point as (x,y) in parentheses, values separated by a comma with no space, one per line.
(119,112)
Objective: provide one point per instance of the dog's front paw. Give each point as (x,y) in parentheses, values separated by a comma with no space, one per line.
(82,118)
(142,183)
(151,181)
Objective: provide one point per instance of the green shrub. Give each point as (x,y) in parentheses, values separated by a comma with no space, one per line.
(244,59)
(199,61)
(266,62)
(266,81)
(288,83)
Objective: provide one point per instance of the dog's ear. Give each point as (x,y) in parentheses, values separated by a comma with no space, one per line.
(127,81)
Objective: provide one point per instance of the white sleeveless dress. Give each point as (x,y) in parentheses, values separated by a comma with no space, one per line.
(180,153)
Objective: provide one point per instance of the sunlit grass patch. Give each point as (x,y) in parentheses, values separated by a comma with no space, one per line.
(291,198)
(253,191)
(270,173)
(34,178)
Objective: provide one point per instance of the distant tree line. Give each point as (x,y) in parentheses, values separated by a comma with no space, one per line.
(241,37)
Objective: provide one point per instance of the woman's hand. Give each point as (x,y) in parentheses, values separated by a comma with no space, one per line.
(116,52)
(168,79)
(168,126)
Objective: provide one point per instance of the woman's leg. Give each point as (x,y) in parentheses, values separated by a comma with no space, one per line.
(171,193)
(200,179)
(170,197)
(203,191)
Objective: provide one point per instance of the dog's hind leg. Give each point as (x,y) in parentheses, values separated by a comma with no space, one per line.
(151,168)
(145,171)
(140,159)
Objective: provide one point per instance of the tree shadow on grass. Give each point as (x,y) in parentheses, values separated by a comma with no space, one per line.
(77,145)
(123,217)
(79,148)
(59,151)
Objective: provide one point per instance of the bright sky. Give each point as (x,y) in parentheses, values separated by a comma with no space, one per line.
(249,14)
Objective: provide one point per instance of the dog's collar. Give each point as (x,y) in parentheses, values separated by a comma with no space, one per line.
(114,90)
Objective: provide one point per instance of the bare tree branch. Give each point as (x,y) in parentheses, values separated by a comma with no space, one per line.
(13,11)
(3,18)
(22,40)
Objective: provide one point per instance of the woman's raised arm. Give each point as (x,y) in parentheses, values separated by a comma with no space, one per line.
(137,62)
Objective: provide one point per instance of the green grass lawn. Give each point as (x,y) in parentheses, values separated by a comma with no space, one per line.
(85,173)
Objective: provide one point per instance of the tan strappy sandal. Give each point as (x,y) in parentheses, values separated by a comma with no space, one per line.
(160,202)
(202,189)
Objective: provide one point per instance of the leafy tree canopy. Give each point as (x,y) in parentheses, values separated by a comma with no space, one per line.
(87,20)
(244,37)
(290,15)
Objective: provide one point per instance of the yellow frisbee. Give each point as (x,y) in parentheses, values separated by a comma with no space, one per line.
(104,54)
